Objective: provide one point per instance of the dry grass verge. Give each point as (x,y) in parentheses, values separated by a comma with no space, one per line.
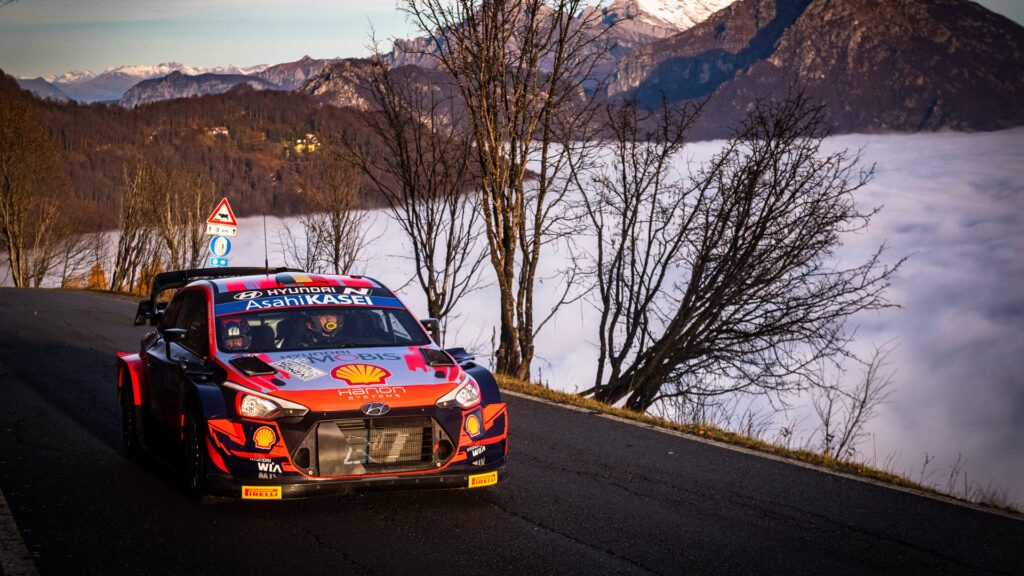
(719,435)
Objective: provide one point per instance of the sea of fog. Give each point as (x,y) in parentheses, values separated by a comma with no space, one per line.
(953,203)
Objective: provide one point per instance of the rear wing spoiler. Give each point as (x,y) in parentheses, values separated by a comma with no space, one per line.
(151,311)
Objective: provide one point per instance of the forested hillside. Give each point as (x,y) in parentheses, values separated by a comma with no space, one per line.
(254,146)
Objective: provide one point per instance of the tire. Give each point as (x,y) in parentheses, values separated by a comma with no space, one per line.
(129,422)
(194,453)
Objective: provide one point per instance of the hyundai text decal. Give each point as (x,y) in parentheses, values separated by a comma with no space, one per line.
(271,292)
(267,303)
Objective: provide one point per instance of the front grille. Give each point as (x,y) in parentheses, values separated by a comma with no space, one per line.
(371,446)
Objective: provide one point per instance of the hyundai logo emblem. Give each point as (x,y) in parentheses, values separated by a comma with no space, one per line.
(375,408)
(248,295)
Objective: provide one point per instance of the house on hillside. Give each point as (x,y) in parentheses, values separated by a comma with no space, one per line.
(308,144)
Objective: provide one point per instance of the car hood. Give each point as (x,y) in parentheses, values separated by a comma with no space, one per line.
(345,379)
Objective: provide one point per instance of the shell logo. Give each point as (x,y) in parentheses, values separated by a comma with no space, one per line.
(472,425)
(361,374)
(264,438)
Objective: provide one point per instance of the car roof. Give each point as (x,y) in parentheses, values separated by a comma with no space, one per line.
(293,280)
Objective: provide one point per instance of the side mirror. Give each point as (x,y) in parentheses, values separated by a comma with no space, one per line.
(144,312)
(433,326)
(173,335)
(158,314)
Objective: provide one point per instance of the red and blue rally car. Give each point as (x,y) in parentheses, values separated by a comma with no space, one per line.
(276,383)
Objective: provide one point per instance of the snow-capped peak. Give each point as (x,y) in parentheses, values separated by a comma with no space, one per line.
(71,77)
(143,72)
(678,14)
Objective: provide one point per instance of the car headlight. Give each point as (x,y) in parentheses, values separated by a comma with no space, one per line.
(251,404)
(255,407)
(466,395)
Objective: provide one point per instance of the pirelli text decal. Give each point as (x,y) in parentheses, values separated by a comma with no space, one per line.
(261,492)
(480,480)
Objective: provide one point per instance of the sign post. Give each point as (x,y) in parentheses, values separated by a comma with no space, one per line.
(222,222)
(220,225)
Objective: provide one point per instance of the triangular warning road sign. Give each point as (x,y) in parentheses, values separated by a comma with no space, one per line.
(223,215)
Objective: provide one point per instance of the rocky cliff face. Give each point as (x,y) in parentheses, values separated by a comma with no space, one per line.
(343,83)
(292,75)
(178,85)
(626,24)
(878,65)
(346,83)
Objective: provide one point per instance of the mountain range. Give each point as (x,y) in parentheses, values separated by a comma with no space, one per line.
(878,65)
(111,84)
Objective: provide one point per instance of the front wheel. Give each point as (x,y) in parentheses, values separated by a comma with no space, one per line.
(195,455)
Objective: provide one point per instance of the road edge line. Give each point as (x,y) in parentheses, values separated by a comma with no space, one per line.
(775,457)
(14,558)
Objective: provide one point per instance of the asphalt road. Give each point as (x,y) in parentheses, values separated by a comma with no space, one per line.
(587,495)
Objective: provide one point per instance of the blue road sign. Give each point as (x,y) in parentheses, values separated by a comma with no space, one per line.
(218,261)
(220,246)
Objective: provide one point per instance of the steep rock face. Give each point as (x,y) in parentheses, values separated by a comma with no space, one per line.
(896,66)
(178,85)
(674,14)
(292,75)
(878,65)
(343,83)
(695,62)
(630,23)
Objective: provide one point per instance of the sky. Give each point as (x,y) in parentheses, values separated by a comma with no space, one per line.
(50,37)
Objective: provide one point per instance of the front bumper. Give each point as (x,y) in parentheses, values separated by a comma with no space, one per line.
(329,453)
(303,487)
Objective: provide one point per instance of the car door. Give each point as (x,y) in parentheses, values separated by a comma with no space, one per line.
(157,365)
(168,376)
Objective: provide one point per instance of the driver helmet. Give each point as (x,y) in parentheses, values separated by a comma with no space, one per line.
(236,332)
(326,323)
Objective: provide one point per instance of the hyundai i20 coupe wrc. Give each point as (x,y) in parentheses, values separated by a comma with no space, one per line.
(271,384)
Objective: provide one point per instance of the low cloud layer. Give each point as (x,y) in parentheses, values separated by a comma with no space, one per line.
(954,204)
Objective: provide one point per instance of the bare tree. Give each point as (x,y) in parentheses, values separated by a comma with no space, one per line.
(424,172)
(300,245)
(31,182)
(637,211)
(521,67)
(333,225)
(843,411)
(745,294)
(179,204)
(76,253)
(136,243)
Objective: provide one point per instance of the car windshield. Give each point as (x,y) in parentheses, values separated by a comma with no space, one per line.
(317,327)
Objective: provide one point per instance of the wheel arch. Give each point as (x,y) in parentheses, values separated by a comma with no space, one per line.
(489,391)
(130,366)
